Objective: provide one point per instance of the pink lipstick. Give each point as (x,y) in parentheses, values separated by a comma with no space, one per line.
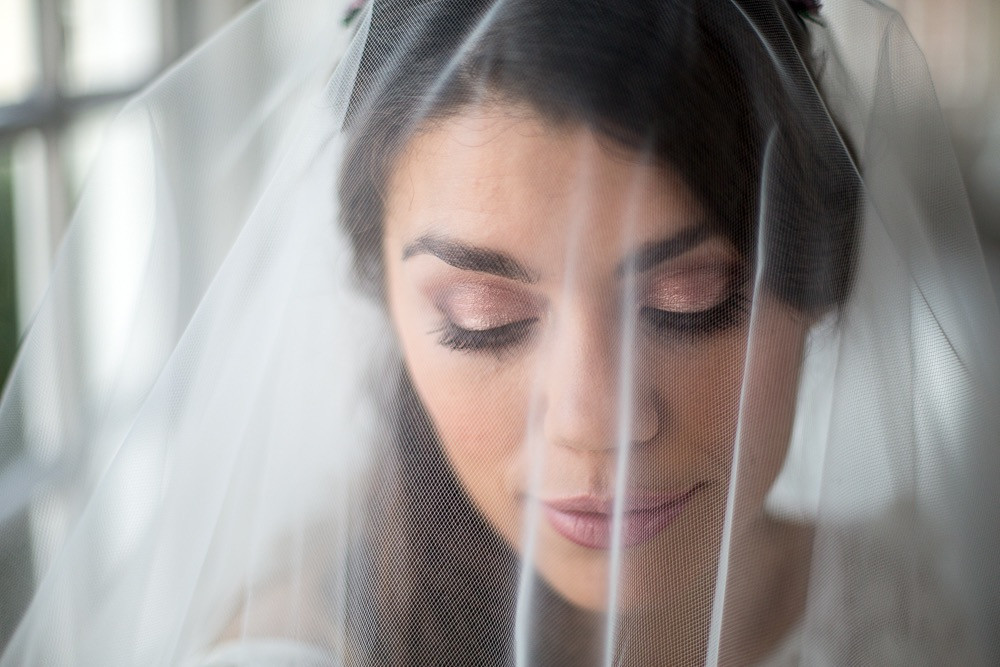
(590,521)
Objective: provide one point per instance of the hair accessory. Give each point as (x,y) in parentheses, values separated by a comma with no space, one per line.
(353,10)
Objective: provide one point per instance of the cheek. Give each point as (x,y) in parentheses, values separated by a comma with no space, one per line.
(741,385)
(478,410)
(772,386)
(474,417)
(475,403)
(480,426)
(699,389)
(735,381)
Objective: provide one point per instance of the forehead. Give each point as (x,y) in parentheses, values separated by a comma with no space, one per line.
(508,179)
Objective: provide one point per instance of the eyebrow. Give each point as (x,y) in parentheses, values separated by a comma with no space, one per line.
(650,254)
(484,260)
(470,258)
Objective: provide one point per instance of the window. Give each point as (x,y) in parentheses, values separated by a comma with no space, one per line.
(65,68)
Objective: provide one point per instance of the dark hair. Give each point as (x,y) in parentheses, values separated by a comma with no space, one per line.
(713,89)
(669,77)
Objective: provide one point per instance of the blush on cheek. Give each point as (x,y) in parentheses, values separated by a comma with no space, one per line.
(467,418)
(482,445)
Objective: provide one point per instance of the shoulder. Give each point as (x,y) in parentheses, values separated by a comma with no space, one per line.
(882,591)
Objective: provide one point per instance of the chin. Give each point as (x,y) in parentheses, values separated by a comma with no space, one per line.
(671,568)
(584,585)
(583,576)
(588,588)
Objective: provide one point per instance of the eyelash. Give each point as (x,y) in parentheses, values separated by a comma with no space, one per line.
(727,314)
(497,339)
(663,323)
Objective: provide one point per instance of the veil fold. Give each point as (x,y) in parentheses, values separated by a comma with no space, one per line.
(221,444)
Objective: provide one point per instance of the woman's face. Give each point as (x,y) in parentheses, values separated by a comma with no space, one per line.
(566,315)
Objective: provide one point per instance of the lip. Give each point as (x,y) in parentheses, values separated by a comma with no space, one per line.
(590,520)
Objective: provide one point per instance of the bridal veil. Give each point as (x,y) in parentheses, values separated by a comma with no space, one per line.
(368,393)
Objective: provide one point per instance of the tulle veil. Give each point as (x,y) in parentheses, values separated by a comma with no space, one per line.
(216,449)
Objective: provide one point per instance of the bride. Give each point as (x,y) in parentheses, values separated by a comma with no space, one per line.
(540,333)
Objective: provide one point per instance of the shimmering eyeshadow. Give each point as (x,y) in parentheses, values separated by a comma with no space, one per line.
(689,291)
(480,307)
(685,302)
(694,301)
(669,324)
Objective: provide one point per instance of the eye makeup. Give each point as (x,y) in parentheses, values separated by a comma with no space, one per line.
(479,316)
(684,302)
(694,301)
(497,339)
(479,306)
(689,290)
(693,325)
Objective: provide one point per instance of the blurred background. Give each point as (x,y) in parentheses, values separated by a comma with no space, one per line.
(961,41)
(66,67)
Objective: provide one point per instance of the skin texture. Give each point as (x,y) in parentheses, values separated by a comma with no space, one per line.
(545,418)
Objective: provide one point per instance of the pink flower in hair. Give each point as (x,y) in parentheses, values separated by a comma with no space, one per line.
(353,10)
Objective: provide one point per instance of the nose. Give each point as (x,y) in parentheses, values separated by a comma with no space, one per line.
(593,386)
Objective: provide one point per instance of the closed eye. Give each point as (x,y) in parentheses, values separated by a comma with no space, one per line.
(495,339)
(727,314)
(663,324)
